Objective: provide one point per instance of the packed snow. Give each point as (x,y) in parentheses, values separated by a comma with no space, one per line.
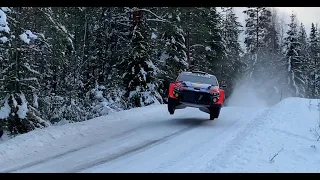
(281,138)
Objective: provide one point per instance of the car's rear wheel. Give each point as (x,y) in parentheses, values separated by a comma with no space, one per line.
(171,106)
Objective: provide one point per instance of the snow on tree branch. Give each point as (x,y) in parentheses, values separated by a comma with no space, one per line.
(3,22)
(59,27)
(158,17)
(27,36)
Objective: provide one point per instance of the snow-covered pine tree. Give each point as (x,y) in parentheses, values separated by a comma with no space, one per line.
(253,31)
(306,64)
(281,28)
(270,62)
(64,84)
(173,55)
(252,39)
(4,64)
(141,90)
(258,22)
(263,56)
(232,65)
(4,46)
(20,79)
(294,62)
(115,48)
(217,46)
(314,61)
(106,46)
(194,23)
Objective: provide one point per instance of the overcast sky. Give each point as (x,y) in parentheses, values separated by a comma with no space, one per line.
(306,15)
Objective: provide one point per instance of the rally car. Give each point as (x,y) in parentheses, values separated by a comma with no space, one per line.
(196,89)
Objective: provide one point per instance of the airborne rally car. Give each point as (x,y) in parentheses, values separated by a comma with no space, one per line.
(196,89)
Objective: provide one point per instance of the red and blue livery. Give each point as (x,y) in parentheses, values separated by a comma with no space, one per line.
(196,89)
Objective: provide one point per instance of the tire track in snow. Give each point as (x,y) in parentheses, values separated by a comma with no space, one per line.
(195,148)
(183,154)
(68,152)
(122,136)
(224,155)
(135,149)
(211,139)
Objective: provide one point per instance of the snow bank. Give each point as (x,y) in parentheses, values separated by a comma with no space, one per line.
(282,139)
(5,137)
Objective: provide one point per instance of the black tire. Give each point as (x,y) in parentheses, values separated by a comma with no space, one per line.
(217,112)
(171,106)
(214,113)
(211,115)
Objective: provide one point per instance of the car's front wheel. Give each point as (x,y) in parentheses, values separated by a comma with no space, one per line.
(214,112)
(171,106)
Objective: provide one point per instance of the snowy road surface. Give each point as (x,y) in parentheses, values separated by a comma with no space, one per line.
(150,140)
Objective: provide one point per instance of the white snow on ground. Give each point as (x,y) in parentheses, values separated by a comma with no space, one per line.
(4,137)
(286,127)
(104,136)
(148,139)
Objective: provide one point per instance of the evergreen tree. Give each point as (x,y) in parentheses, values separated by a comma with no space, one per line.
(20,79)
(314,58)
(294,64)
(232,66)
(304,58)
(139,77)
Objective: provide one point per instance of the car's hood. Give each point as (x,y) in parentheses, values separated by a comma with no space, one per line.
(198,86)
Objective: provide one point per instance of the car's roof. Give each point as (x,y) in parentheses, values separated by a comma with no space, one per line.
(199,73)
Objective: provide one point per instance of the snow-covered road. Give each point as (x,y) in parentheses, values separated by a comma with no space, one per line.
(150,140)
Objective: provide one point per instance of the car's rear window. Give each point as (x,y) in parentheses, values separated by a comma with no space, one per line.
(203,79)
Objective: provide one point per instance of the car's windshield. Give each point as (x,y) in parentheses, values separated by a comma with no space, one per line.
(198,79)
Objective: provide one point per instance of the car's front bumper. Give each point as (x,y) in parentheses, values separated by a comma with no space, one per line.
(196,98)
